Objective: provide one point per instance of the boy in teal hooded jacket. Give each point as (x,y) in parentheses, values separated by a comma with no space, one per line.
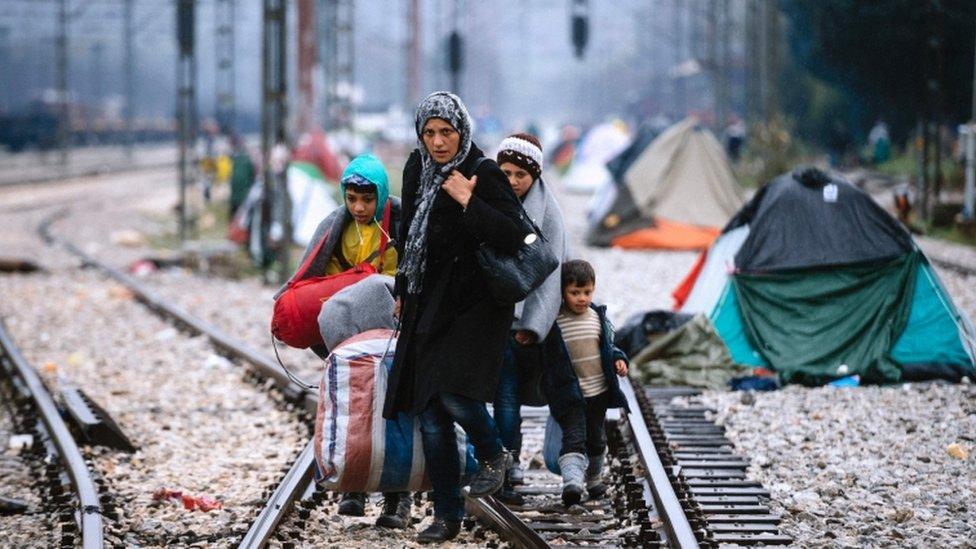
(352,234)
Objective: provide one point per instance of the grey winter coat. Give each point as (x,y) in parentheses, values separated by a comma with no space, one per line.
(363,306)
(538,311)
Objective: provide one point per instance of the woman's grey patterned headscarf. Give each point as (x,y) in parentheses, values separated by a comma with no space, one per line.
(447,107)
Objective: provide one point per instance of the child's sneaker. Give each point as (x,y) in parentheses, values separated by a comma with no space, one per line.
(515,474)
(573,468)
(594,477)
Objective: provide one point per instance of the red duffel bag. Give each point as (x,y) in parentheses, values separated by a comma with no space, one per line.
(296,311)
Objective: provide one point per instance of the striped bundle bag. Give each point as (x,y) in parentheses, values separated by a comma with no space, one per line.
(356,449)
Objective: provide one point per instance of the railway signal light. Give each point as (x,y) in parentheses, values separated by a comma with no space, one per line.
(580,26)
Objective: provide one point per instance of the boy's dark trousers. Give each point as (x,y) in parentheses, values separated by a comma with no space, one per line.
(583,427)
(596,414)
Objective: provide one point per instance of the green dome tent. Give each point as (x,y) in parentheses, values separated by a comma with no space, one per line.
(815,281)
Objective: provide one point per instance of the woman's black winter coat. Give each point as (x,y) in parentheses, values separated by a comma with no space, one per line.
(453,333)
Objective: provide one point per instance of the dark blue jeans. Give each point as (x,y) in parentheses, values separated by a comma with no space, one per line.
(441,446)
(507,411)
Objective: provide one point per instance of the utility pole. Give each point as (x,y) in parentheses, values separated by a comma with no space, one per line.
(186,74)
(339,57)
(439,25)
(455,48)
(307,61)
(345,62)
(695,46)
(224,12)
(5,50)
(678,83)
(96,66)
(771,60)
(722,98)
(129,78)
(931,179)
(413,53)
(711,39)
(753,87)
(273,71)
(328,46)
(63,121)
(969,194)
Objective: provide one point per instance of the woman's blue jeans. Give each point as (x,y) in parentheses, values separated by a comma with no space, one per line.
(441,451)
(507,411)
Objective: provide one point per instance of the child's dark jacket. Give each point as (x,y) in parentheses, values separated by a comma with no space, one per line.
(559,382)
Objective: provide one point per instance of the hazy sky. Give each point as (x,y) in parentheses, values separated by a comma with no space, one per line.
(519,63)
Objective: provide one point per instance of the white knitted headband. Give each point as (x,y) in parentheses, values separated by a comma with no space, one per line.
(523,147)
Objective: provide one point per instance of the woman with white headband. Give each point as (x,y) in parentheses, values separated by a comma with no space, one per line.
(520,158)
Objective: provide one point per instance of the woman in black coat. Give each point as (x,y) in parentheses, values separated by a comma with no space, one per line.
(453,333)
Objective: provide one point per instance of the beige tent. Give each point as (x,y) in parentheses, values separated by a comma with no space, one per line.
(685,176)
(677,193)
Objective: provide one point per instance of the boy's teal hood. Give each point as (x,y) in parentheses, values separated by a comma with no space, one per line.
(371,169)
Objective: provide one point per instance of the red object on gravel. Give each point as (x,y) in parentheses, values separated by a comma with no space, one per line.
(189,502)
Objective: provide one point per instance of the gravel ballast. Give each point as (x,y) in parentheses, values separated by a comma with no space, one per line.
(862,467)
(16,478)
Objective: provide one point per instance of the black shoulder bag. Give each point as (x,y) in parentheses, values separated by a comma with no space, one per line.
(511,277)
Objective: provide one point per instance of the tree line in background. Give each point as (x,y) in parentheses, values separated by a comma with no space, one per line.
(855,61)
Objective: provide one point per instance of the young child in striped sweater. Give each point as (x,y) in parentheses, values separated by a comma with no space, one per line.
(580,348)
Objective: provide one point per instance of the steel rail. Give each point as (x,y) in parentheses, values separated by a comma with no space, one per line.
(296,482)
(658,492)
(500,518)
(676,525)
(950,265)
(92,171)
(89,508)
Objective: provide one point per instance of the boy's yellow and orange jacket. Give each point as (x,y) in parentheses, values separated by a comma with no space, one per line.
(359,244)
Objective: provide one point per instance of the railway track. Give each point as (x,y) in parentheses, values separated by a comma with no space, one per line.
(665,490)
(953,266)
(676,483)
(73,495)
(85,163)
(639,509)
(297,480)
(720,502)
